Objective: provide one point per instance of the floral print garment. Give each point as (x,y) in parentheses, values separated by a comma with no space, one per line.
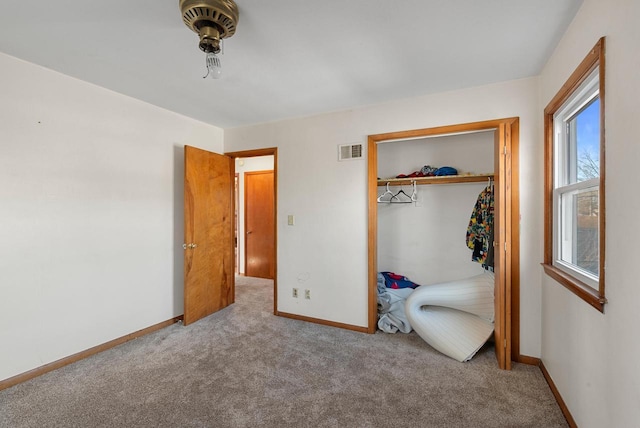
(480,230)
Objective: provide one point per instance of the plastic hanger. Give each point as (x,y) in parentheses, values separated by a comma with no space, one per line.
(389,193)
(412,198)
(414,194)
(397,196)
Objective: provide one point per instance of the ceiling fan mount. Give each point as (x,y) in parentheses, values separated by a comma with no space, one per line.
(212,20)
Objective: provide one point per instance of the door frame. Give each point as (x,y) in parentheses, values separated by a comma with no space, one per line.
(512,318)
(236,224)
(271,151)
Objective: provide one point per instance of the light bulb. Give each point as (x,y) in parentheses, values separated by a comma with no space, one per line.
(214,67)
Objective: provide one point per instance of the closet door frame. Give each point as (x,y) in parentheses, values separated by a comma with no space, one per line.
(506,173)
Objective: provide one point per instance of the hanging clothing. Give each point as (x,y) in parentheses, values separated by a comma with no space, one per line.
(480,230)
(488,263)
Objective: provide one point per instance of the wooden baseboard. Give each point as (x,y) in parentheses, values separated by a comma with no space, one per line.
(323,322)
(534,361)
(556,394)
(525,359)
(23,377)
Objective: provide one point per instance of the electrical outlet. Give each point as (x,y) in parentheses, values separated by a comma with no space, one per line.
(295,293)
(307,294)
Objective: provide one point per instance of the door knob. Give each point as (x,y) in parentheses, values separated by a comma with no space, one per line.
(190,246)
(249,232)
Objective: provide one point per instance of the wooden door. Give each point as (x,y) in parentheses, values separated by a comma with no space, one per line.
(502,234)
(259,224)
(208,231)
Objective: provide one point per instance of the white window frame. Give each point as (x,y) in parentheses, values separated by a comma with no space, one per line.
(565,166)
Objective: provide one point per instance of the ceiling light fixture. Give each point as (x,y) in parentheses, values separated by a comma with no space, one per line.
(213,20)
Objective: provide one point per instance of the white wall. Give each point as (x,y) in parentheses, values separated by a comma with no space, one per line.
(593,357)
(258,163)
(91,217)
(326,251)
(426,241)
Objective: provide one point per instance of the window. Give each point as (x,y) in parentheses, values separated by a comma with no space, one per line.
(574,181)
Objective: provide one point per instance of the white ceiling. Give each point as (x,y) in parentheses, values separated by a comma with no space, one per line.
(288,58)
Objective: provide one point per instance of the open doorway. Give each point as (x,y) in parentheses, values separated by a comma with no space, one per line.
(256,208)
(256,218)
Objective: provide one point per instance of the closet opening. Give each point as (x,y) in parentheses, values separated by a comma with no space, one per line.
(418,222)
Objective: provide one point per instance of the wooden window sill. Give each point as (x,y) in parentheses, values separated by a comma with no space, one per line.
(577,287)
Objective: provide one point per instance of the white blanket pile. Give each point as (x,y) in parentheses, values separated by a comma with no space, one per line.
(391,304)
(456,317)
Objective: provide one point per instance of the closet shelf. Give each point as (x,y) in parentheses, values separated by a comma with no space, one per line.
(445,179)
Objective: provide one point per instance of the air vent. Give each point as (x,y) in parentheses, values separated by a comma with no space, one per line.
(350,152)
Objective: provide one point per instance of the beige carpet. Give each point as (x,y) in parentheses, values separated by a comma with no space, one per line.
(244,367)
